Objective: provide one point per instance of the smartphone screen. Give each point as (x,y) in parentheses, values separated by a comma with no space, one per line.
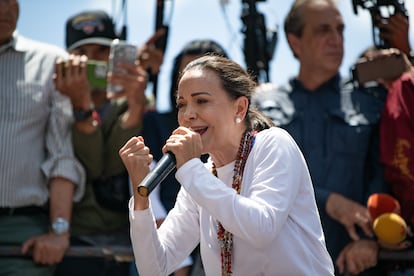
(121,52)
(386,68)
(96,72)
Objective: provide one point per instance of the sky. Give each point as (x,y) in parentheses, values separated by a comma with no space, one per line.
(44,20)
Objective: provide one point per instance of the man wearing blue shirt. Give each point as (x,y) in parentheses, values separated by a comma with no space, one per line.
(336,128)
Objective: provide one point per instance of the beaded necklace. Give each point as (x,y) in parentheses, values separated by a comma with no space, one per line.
(224,237)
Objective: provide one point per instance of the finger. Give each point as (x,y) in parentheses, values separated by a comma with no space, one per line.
(135,80)
(340,263)
(75,61)
(398,20)
(409,231)
(59,67)
(364,221)
(133,141)
(373,261)
(392,25)
(351,267)
(367,229)
(128,144)
(27,245)
(57,257)
(69,66)
(182,130)
(352,233)
(401,246)
(171,147)
(37,255)
(112,96)
(133,88)
(360,265)
(136,149)
(139,154)
(83,64)
(173,139)
(405,244)
(158,34)
(74,66)
(127,69)
(141,71)
(164,149)
(46,257)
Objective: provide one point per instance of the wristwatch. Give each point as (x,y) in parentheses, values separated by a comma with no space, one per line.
(82,115)
(60,226)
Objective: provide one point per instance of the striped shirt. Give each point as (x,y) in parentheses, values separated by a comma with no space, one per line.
(35,125)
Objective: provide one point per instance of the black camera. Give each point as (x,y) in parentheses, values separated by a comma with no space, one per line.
(380,10)
(259,41)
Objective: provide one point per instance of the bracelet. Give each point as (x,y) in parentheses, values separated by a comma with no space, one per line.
(96,119)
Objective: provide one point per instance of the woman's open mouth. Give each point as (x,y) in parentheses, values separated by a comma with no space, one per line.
(200,130)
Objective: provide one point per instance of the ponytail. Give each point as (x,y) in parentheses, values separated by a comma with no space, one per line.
(258,121)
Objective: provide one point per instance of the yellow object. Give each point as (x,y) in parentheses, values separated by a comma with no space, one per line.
(390,228)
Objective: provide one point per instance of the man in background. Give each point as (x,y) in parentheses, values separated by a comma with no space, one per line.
(39,175)
(104,121)
(336,127)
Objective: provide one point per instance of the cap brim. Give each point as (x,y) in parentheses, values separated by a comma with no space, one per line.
(92,40)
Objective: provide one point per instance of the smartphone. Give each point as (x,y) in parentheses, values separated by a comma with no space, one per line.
(120,52)
(96,72)
(386,68)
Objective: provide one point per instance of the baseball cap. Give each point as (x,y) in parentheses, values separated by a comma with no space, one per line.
(89,27)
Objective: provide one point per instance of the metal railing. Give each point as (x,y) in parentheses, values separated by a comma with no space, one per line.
(392,260)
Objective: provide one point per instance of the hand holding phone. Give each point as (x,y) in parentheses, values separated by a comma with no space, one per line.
(150,55)
(96,72)
(120,52)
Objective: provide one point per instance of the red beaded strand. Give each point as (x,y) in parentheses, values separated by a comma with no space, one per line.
(224,237)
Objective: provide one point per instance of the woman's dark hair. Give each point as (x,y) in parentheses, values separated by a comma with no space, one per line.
(194,47)
(236,82)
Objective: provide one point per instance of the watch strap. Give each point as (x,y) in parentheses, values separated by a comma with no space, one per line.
(82,115)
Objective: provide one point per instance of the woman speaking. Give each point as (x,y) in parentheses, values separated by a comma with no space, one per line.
(251,206)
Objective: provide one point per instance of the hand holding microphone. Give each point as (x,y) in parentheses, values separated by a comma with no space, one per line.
(182,141)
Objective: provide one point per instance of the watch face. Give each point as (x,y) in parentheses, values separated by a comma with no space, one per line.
(60,226)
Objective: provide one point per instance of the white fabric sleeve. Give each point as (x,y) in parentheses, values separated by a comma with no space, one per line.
(144,240)
(157,208)
(161,252)
(155,200)
(159,213)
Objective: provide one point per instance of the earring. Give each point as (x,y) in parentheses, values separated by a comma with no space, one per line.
(238,120)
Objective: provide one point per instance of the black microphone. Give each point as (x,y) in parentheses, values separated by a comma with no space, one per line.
(163,168)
